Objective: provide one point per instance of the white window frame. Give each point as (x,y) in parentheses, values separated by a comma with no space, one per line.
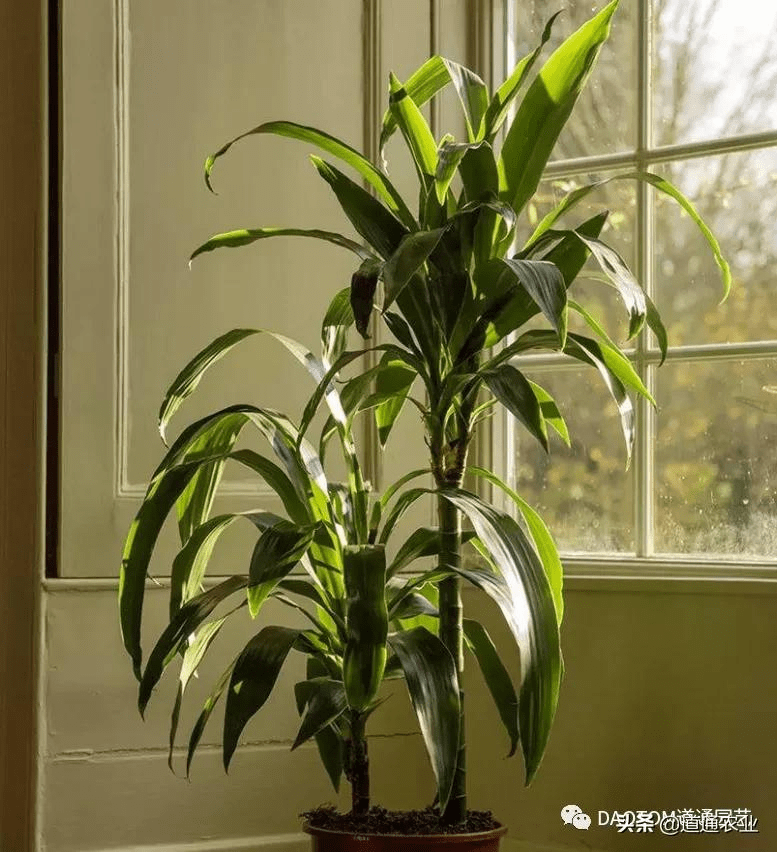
(643,564)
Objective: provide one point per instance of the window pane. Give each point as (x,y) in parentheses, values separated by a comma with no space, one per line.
(716,458)
(583,493)
(604,120)
(714,69)
(737,196)
(590,289)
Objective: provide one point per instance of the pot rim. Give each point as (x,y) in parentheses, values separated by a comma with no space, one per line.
(499,831)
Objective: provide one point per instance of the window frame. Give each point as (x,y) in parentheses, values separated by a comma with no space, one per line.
(643,563)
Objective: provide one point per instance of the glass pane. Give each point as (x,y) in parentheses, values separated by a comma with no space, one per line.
(737,196)
(584,493)
(716,458)
(604,120)
(714,69)
(590,289)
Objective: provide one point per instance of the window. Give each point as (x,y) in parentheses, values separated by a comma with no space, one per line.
(685,90)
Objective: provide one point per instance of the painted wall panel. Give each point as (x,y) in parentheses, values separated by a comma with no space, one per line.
(91,694)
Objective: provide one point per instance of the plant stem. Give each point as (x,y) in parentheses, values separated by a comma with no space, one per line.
(360,766)
(452,637)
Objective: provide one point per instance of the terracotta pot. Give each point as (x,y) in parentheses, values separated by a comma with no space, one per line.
(324,840)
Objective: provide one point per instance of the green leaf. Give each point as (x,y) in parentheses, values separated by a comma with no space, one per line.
(525,597)
(433,76)
(392,385)
(331,145)
(546,107)
(246,236)
(183,624)
(591,352)
(382,230)
(473,94)
(406,261)
(544,282)
(412,605)
(138,547)
(364,283)
(325,703)
(616,362)
(302,466)
(568,255)
(615,268)
(534,339)
(391,491)
(275,555)
(425,541)
(186,381)
(499,107)
(479,173)
(325,386)
(202,720)
(543,540)
(364,660)
(421,86)
(449,156)
(662,185)
(278,481)
(330,749)
(515,392)
(434,691)
(192,658)
(334,328)
(550,412)
(404,502)
(656,325)
(497,678)
(191,562)
(196,500)
(414,128)
(312,592)
(253,678)
(189,378)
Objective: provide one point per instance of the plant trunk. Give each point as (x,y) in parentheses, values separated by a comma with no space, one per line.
(451,635)
(359,774)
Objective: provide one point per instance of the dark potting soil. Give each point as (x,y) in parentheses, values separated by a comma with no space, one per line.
(381,821)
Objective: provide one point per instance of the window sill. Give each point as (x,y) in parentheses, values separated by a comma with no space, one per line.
(668,574)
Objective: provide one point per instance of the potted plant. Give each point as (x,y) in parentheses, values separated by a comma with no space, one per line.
(455,296)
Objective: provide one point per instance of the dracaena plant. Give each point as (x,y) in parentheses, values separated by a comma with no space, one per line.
(448,281)
(362,617)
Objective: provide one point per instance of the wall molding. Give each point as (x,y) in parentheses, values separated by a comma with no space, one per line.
(121,316)
(299,842)
(123,488)
(292,842)
(510,845)
(372,57)
(616,578)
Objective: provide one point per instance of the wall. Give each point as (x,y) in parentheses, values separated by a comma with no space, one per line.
(148,90)
(670,687)
(668,702)
(22,253)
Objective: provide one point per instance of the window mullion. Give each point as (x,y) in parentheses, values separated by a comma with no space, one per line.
(645,424)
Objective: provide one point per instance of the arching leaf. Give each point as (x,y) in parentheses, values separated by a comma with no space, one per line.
(331,145)
(253,678)
(496,676)
(246,236)
(434,691)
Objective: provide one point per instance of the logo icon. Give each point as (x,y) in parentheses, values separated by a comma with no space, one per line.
(573,815)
